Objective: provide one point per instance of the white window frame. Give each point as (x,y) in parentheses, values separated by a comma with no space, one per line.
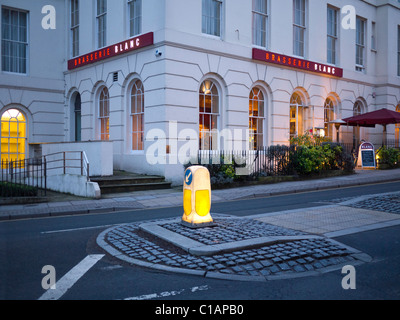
(332,37)
(135,21)
(139,131)
(104,114)
(101,29)
(299,47)
(209,138)
(74,27)
(259,118)
(329,116)
(211,20)
(373,36)
(360,43)
(398,50)
(12,59)
(260,36)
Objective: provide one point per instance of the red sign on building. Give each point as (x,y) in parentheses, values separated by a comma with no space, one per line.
(112,51)
(287,61)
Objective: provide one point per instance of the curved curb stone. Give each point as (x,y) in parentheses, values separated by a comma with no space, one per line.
(293,256)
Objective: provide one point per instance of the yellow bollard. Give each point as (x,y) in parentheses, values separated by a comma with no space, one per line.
(197,198)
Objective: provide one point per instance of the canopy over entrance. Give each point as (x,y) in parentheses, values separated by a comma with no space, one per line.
(370,119)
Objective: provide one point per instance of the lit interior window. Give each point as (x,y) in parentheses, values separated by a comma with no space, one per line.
(13,136)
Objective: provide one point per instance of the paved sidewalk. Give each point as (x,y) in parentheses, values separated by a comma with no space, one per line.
(166,198)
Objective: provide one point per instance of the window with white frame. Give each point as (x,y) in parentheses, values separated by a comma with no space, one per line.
(299,27)
(101,23)
(297,107)
(373,36)
(74,28)
(135,17)
(211,17)
(260,23)
(104,114)
(14,40)
(137,115)
(208,116)
(256,118)
(398,51)
(360,43)
(332,35)
(329,116)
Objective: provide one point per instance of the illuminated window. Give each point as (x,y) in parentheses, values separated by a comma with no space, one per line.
(360,44)
(299,27)
(209,116)
(329,115)
(14,40)
(357,110)
(74,28)
(101,22)
(332,35)
(137,115)
(135,17)
(260,23)
(104,114)
(211,17)
(256,119)
(296,115)
(13,135)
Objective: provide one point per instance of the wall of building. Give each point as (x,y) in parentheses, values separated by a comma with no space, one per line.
(172,81)
(39,94)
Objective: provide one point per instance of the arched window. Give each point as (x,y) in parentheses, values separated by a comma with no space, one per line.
(137,115)
(13,135)
(256,118)
(209,116)
(357,110)
(397,130)
(104,114)
(329,115)
(77,117)
(296,115)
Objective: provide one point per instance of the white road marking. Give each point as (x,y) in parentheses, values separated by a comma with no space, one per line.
(67,281)
(167,293)
(79,229)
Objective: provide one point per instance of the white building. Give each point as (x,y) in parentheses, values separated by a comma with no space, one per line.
(116,70)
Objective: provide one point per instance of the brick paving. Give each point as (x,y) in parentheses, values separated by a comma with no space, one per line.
(275,260)
(384,203)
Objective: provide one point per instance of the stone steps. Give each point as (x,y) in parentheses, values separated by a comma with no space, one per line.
(128,182)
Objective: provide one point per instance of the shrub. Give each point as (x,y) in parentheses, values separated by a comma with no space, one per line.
(314,159)
(8,189)
(388,156)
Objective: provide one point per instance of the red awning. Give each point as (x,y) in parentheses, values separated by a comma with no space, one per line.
(370,119)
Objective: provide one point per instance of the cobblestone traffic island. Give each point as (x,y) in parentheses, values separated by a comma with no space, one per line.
(234,248)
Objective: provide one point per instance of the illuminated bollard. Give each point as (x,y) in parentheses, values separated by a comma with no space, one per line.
(197,198)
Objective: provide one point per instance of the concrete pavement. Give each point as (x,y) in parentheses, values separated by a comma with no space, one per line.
(65,204)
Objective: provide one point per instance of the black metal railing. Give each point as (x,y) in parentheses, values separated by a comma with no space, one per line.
(267,161)
(23,178)
(28,177)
